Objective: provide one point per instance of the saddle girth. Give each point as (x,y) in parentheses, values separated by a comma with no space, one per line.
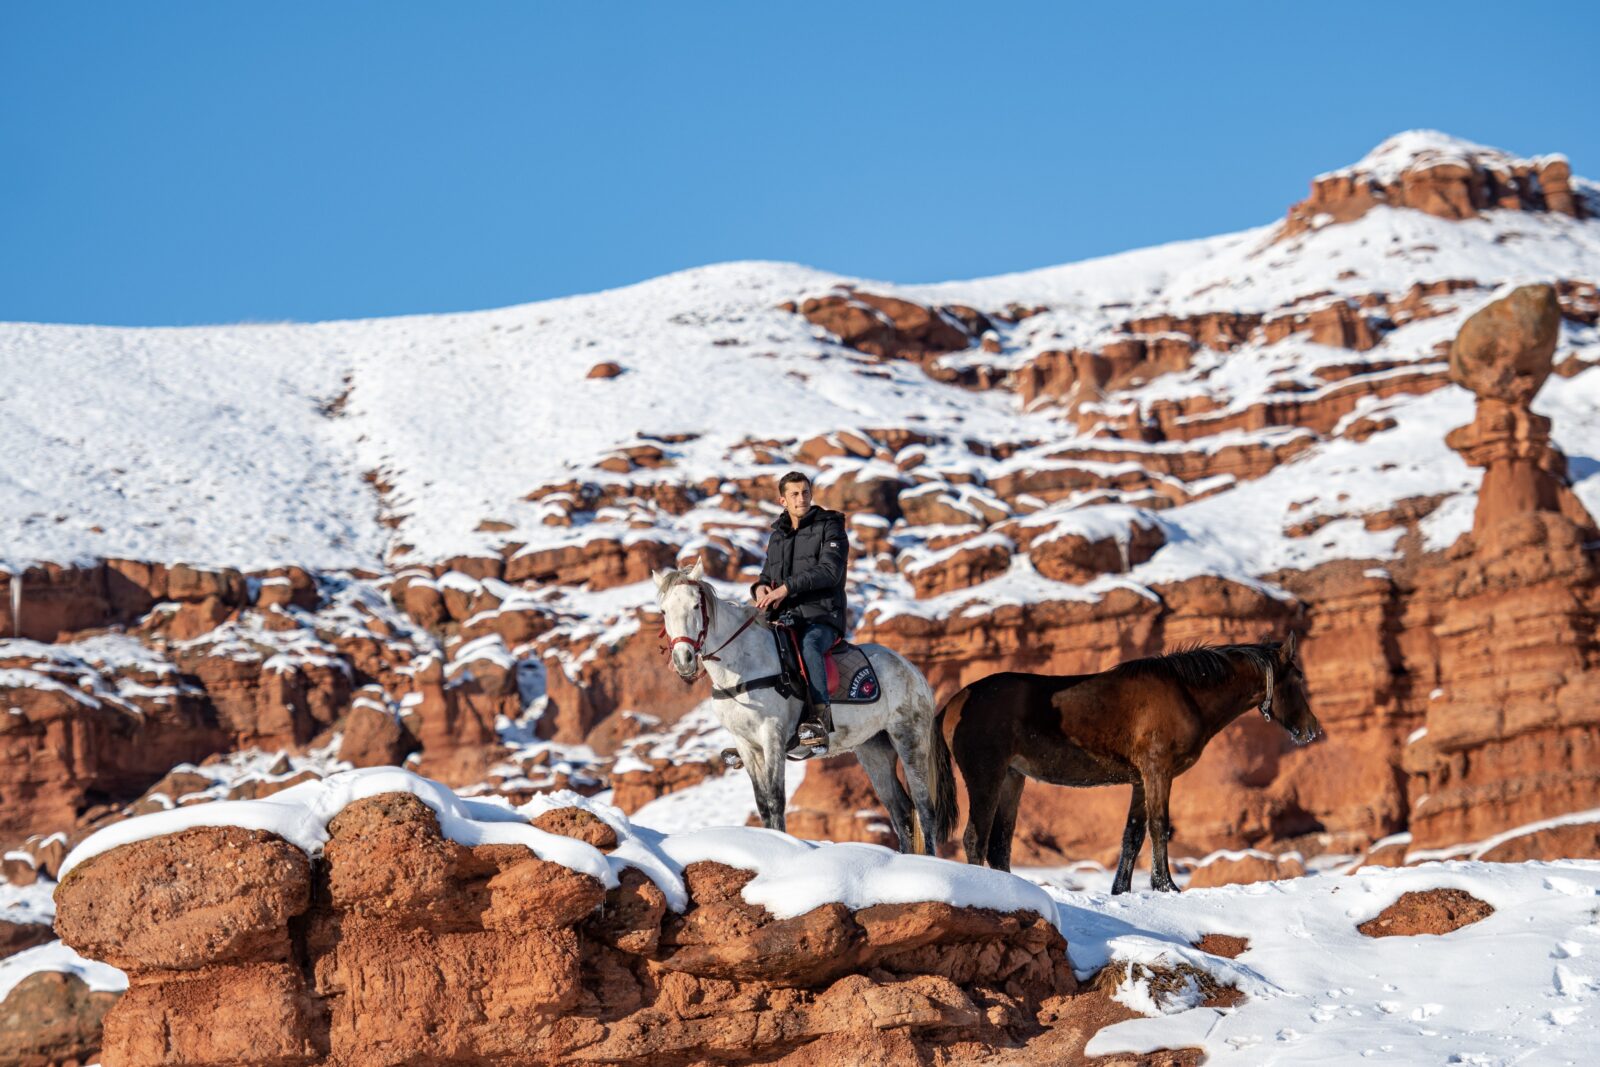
(766,681)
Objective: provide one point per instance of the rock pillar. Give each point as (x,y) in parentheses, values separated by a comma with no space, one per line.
(1503,354)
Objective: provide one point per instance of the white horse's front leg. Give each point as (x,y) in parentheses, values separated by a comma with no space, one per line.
(765,765)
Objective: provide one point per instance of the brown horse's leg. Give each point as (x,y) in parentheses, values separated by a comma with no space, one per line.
(1132,841)
(1005,819)
(1157,787)
(983,794)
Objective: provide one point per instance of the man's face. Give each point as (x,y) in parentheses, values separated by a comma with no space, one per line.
(796,500)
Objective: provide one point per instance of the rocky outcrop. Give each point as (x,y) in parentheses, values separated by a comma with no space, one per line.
(399,946)
(373,737)
(588,683)
(599,562)
(52,1020)
(1439,176)
(892,328)
(17,936)
(1429,911)
(1243,868)
(1513,609)
(72,741)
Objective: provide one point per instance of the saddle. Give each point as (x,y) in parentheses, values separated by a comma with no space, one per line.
(851,679)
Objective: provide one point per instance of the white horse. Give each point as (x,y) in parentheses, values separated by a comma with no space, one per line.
(732,643)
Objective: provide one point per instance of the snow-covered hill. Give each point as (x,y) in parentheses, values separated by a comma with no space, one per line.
(256,445)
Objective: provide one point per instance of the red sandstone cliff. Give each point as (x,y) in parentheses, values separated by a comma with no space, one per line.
(1485,643)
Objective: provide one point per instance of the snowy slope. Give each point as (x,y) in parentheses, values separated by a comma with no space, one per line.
(1517,987)
(254,445)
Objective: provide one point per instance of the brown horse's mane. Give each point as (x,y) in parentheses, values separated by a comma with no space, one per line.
(1200,666)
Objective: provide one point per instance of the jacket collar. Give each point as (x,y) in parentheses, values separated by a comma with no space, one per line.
(782,521)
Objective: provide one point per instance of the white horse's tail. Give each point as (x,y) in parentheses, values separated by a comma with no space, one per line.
(941,779)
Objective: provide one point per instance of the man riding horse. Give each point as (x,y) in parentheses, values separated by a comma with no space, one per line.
(803,578)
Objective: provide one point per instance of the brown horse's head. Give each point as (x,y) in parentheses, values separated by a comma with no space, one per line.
(1288,703)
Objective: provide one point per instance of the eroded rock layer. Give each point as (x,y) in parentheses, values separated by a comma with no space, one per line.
(398,946)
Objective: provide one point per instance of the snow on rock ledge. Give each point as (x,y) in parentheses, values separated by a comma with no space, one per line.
(380,902)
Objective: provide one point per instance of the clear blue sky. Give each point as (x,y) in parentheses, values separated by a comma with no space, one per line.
(173,163)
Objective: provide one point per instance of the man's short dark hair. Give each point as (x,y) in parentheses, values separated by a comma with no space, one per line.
(789,479)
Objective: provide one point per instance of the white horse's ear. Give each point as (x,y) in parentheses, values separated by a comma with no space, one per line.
(697,571)
(660,578)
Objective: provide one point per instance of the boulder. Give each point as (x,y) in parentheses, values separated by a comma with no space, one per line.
(374,738)
(1504,350)
(185,901)
(1429,911)
(1244,868)
(51,1018)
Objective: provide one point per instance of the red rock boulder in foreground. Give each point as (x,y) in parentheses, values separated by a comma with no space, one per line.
(398,946)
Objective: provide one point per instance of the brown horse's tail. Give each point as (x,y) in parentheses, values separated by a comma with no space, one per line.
(941,779)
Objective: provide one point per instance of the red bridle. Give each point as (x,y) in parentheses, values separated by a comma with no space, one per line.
(698,643)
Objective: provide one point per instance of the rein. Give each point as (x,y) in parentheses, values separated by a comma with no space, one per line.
(1265,707)
(698,643)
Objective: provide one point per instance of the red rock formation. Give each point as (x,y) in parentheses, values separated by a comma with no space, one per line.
(408,947)
(1513,609)
(66,749)
(15,936)
(966,564)
(892,328)
(600,562)
(452,712)
(587,685)
(1576,840)
(1075,557)
(269,703)
(1244,868)
(1449,181)
(373,737)
(633,789)
(1430,911)
(853,489)
(52,1020)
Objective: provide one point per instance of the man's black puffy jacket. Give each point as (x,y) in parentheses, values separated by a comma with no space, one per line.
(811,561)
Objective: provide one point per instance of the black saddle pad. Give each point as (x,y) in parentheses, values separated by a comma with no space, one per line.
(852,677)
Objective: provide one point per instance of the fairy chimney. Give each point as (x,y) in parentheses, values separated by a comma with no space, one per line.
(1503,354)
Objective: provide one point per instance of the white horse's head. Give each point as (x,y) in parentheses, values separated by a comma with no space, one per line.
(686,611)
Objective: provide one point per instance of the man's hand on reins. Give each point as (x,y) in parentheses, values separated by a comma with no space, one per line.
(767,597)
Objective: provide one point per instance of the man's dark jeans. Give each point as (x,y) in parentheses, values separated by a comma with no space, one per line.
(815,641)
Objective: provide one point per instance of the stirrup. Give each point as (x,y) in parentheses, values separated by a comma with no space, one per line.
(731,759)
(811,740)
(811,734)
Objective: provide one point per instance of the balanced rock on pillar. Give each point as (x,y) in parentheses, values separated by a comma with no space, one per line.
(1503,354)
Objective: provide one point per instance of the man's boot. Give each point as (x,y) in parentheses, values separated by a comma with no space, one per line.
(813,733)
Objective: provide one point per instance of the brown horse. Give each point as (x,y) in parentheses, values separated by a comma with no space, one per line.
(1143,723)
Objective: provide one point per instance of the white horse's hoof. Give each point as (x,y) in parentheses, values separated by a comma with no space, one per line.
(731,759)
